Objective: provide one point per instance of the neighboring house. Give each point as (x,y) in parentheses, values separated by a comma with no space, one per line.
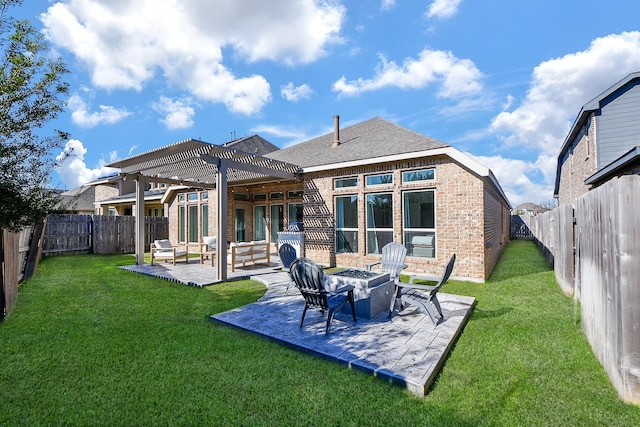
(353,190)
(80,200)
(603,142)
(530,209)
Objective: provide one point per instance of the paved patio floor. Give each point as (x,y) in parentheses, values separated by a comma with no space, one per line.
(408,350)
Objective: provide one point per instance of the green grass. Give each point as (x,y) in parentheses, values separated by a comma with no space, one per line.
(90,344)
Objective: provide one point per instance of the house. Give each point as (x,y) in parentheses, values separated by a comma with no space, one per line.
(79,200)
(603,141)
(530,209)
(353,191)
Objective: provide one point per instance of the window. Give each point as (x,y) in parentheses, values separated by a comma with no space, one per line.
(345,182)
(182,223)
(379,221)
(386,178)
(182,197)
(276,221)
(112,211)
(419,175)
(193,223)
(419,233)
(295,214)
(259,222)
(204,196)
(259,197)
(241,197)
(193,197)
(295,194)
(240,225)
(205,220)
(277,195)
(346,224)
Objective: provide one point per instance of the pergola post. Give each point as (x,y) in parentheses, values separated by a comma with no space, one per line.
(221,229)
(139,213)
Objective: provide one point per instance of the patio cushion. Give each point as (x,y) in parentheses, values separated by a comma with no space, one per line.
(210,242)
(163,245)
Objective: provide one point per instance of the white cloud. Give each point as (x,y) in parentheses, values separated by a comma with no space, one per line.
(388,4)
(456,77)
(560,87)
(125,44)
(443,9)
(517,178)
(72,168)
(280,132)
(178,113)
(295,94)
(84,118)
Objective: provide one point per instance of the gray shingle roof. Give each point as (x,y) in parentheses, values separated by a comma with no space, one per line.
(374,138)
(254,144)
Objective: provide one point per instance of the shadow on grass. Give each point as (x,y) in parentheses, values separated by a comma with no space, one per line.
(479,314)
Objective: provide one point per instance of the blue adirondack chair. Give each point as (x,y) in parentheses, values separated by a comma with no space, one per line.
(309,279)
(424,296)
(287,255)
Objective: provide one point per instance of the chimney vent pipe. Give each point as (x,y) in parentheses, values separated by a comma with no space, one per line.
(336,131)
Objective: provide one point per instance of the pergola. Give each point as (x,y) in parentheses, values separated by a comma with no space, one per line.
(198,164)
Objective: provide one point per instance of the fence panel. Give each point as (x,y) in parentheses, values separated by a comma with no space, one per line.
(67,234)
(73,234)
(10,270)
(608,247)
(114,234)
(563,256)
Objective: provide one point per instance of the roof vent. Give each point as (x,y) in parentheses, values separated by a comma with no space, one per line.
(336,131)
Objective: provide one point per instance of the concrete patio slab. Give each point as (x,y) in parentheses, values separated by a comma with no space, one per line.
(408,350)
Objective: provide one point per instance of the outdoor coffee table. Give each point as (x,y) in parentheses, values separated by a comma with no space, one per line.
(372,292)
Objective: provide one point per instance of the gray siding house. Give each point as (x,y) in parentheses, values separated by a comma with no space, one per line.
(603,142)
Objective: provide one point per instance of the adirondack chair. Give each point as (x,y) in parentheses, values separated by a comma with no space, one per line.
(287,254)
(424,296)
(393,255)
(309,279)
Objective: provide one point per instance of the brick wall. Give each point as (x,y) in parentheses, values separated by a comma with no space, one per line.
(471,219)
(460,217)
(580,163)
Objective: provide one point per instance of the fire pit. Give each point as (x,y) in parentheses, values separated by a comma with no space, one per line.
(372,291)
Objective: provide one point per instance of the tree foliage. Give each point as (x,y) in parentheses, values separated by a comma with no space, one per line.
(32,93)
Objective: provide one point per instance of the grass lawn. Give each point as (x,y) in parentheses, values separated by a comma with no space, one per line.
(90,344)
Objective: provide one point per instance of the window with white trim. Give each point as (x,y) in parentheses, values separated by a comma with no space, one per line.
(379,221)
(419,223)
(346,216)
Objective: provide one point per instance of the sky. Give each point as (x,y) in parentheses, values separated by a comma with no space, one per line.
(502,80)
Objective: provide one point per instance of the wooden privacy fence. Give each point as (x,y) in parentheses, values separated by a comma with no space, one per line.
(595,252)
(18,256)
(73,234)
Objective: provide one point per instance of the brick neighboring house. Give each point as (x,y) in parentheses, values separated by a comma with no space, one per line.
(603,141)
(360,187)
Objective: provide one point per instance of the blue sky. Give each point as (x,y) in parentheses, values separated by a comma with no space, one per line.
(500,79)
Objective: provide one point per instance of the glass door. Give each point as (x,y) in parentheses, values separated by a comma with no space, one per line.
(276,221)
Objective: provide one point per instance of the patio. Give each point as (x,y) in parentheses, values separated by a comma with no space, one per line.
(408,350)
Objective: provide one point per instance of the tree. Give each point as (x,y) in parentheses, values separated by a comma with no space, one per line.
(32,94)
